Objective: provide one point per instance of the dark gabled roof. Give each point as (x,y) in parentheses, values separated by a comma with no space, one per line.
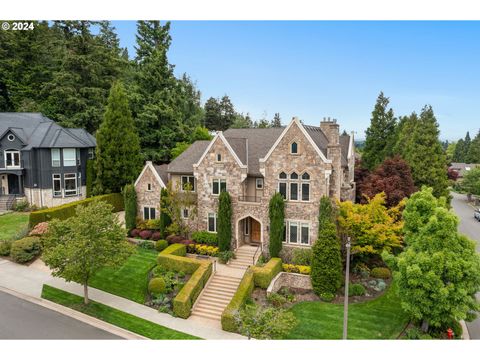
(239,146)
(318,137)
(183,164)
(38,131)
(162,172)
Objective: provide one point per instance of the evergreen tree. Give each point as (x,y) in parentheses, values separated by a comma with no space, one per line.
(459,154)
(467,141)
(130,201)
(242,122)
(224,221)
(473,156)
(276,214)
(165,220)
(326,270)
(118,160)
(380,135)
(219,113)
(276,122)
(420,147)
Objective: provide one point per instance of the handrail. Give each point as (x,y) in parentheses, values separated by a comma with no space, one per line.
(256,251)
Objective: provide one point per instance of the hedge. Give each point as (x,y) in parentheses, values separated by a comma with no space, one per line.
(173,258)
(65,211)
(205,237)
(243,292)
(265,274)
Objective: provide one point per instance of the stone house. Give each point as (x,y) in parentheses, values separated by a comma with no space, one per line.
(40,161)
(301,162)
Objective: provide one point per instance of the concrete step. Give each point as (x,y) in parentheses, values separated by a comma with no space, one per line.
(248,261)
(219,292)
(213,299)
(210,306)
(207,315)
(216,310)
(241,267)
(228,280)
(220,285)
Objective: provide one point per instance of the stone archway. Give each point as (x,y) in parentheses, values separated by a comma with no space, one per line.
(249,231)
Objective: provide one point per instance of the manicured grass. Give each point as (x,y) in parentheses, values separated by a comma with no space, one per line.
(113,316)
(129,281)
(381,318)
(12,223)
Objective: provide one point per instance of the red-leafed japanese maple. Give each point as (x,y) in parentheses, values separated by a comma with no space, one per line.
(361,174)
(393,177)
(452,174)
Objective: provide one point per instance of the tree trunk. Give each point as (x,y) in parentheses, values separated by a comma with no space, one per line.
(85,294)
(424,326)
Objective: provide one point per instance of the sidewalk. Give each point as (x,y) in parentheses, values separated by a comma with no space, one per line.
(29,281)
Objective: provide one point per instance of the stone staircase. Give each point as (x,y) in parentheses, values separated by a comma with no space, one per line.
(216,296)
(244,257)
(6,202)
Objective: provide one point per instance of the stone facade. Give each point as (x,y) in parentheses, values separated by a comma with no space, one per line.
(146,197)
(44,197)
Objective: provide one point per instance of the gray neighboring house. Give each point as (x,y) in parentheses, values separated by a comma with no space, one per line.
(42,162)
(462,168)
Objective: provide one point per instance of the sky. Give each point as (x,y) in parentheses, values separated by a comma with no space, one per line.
(316,69)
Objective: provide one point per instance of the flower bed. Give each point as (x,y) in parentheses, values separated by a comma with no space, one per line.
(297,269)
(202,249)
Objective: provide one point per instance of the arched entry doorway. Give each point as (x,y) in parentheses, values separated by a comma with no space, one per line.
(249,232)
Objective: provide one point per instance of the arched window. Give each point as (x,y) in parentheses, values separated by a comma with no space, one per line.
(282,175)
(305,176)
(294,176)
(294,148)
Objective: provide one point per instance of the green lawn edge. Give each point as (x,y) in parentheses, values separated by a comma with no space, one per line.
(113,316)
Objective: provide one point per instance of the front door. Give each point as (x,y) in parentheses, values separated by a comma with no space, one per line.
(255,231)
(13,185)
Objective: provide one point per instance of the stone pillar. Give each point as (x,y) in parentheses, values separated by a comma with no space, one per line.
(332,131)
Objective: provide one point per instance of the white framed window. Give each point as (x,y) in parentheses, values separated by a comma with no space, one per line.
(297,232)
(188,181)
(282,189)
(212,222)
(12,159)
(57,185)
(305,192)
(259,183)
(91,153)
(219,185)
(293,191)
(69,157)
(218,158)
(185,213)
(11,137)
(294,187)
(294,148)
(149,213)
(70,184)
(79,183)
(149,187)
(55,157)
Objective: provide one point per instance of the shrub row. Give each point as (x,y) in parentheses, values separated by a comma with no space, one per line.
(205,237)
(173,258)
(146,234)
(63,212)
(264,275)
(243,292)
(298,269)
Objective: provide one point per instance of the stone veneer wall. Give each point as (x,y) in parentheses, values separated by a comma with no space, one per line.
(291,280)
(145,197)
(34,196)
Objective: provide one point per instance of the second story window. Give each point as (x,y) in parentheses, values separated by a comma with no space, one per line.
(12,158)
(188,183)
(294,148)
(91,153)
(294,188)
(259,183)
(219,185)
(55,157)
(149,187)
(219,157)
(69,157)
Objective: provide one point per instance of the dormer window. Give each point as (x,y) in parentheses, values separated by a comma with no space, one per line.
(219,157)
(294,148)
(11,137)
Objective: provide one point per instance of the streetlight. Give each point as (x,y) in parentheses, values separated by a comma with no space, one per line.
(347,280)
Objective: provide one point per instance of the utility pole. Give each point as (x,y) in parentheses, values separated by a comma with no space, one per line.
(347,280)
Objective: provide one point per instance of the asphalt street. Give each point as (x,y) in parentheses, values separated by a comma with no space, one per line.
(470,227)
(21,319)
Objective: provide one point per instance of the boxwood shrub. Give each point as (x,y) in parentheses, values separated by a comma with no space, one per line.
(65,211)
(5,246)
(243,292)
(265,274)
(25,249)
(161,245)
(381,272)
(205,237)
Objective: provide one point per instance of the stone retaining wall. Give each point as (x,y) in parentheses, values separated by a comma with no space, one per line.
(291,280)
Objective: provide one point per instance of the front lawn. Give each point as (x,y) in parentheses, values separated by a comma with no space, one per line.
(11,224)
(382,318)
(113,316)
(129,281)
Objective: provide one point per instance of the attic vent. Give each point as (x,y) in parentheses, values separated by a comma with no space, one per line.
(11,137)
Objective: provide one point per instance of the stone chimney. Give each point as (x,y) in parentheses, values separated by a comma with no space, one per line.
(332,131)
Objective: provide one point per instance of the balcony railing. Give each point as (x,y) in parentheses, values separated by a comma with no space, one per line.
(254,199)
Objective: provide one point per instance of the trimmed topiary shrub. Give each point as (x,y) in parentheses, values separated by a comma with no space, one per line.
(276,213)
(356,290)
(156,286)
(243,292)
(156,236)
(25,249)
(161,245)
(264,275)
(146,234)
(66,211)
(5,246)
(381,273)
(130,200)
(205,237)
(224,221)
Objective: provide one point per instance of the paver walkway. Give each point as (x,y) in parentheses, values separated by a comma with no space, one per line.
(29,280)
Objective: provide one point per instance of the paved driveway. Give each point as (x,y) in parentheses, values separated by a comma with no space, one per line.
(21,319)
(470,227)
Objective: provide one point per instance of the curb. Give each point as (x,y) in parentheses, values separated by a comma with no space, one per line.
(125,334)
(466,334)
